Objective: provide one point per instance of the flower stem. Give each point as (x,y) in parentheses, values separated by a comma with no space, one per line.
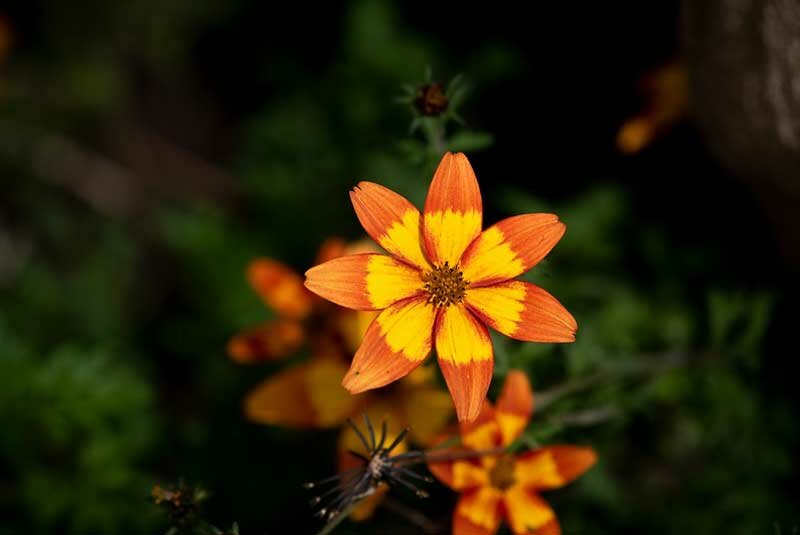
(434,131)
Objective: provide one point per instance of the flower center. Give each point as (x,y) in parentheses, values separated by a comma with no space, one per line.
(501,476)
(445,285)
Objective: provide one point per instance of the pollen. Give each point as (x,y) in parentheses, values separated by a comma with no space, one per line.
(501,475)
(445,285)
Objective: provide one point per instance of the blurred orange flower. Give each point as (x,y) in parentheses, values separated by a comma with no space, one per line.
(507,486)
(666,95)
(445,281)
(302,317)
(310,395)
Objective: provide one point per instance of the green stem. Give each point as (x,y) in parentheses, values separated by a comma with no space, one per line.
(434,131)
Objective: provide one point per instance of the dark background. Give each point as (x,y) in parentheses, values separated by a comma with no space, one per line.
(149,150)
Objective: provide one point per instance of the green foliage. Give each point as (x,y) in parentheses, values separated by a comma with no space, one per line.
(79,427)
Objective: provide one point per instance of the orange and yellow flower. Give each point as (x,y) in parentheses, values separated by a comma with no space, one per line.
(443,283)
(666,94)
(507,486)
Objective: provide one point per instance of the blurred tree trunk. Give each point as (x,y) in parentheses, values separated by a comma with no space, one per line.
(744,62)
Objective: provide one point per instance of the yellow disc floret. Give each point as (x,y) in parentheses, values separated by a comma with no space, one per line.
(445,285)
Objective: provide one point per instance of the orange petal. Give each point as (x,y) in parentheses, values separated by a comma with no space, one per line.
(510,248)
(392,221)
(514,406)
(462,526)
(305,396)
(553,466)
(395,343)
(270,341)
(468,474)
(551,528)
(526,511)
(466,359)
(483,432)
(453,210)
(279,287)
(460,474)
(478,512)
(522,311)
(364,281)
(443,471)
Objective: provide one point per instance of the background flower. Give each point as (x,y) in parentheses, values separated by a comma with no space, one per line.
(506,485)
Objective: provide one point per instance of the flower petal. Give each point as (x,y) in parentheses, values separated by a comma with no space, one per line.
(459,474)
(482,433)
(551,528)
(364,281)
(305,396)
(280,287)
(392,221)
(478,512)
(510,248)
(271,341)
(395,343)
(453,210)
(514,406)
(553,466)
(526,511)
(522,311)
(466,359)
